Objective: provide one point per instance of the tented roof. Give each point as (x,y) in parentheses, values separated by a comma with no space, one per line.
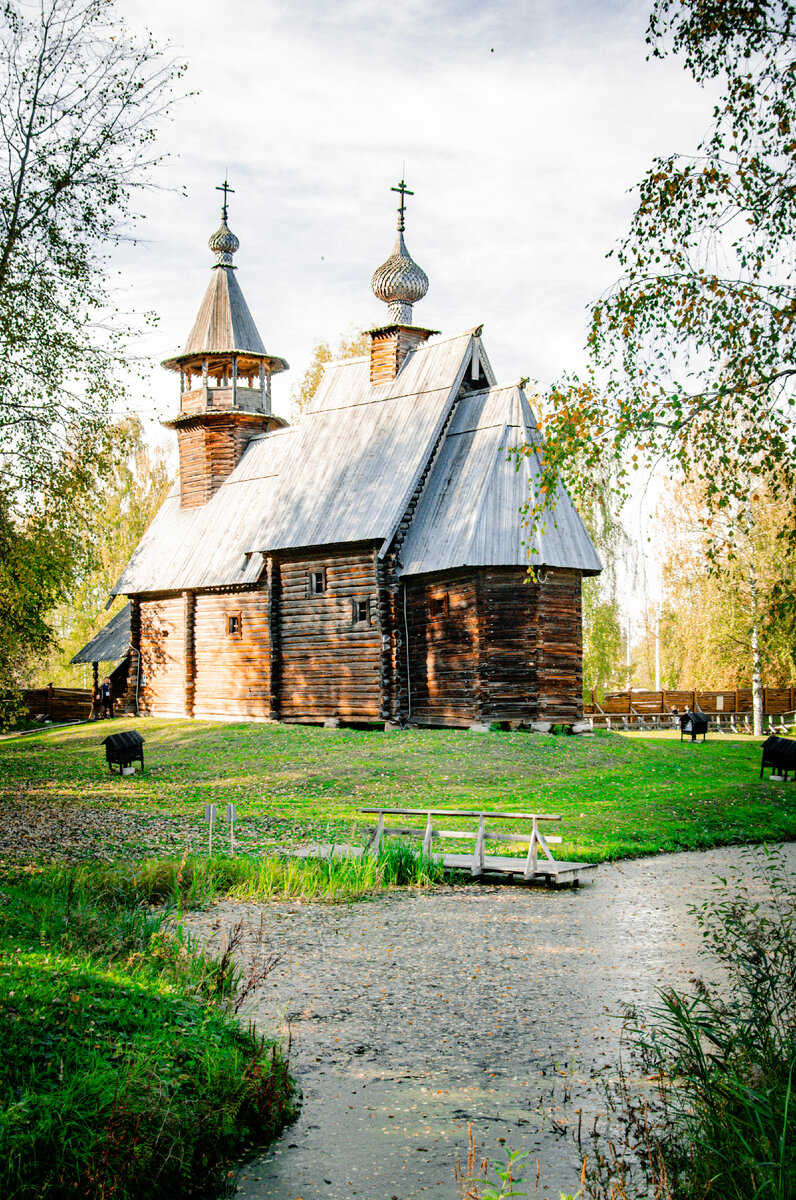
(224,324)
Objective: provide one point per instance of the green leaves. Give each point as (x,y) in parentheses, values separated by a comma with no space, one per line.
(80,101)
(694,349)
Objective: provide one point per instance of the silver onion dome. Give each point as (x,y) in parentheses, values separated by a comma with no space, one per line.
(223,243)
(400,283)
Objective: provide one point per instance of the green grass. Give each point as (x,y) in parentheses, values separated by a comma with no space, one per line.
(619,795)
(123,1071)
(195,881)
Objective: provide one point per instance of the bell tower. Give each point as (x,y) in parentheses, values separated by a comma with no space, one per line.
(225,379)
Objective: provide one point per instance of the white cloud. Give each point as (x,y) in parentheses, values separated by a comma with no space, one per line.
(522,122)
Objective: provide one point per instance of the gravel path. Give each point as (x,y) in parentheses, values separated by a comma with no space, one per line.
(417,1013)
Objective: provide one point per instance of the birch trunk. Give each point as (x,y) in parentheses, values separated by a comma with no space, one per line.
(757,673)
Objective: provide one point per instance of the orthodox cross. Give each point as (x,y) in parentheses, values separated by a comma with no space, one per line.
(226,188)
(404,190)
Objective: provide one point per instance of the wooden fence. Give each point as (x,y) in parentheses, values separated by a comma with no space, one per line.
(59,704)
(776,701)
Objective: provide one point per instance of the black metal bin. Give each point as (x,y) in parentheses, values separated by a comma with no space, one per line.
(693,723)
(779,754)
(123,749)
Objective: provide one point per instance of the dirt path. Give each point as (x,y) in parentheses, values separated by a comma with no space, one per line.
(416,1013)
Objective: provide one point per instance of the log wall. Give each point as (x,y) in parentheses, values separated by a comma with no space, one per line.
(211,445)
(560,646)
(442,617)
(490,645)
(389,347)
(329,666)
(162,656)
(509,627)
(484,645)
(232,674)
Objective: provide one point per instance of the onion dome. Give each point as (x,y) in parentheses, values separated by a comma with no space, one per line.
(399,281)
(223,243)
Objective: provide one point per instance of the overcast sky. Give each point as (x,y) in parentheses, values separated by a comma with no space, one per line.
(522,123)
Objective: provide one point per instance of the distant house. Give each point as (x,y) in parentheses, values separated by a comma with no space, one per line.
(368,564)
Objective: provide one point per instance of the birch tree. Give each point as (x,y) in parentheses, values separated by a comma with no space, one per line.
(80,102)
(693,351)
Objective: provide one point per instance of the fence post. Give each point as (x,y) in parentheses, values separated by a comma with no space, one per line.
(49,703)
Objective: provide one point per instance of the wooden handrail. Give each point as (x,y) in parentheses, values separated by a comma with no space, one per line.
(535,838)
(459,812)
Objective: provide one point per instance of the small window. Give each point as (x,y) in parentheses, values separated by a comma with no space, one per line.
(361,612)
(438,606)
(234,625)
(317,583)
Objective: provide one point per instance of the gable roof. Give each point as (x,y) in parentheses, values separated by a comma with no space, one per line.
(469,511)
(110,643)
(345,474)
(348,471)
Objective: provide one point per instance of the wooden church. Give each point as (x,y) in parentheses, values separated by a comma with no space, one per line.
(368,563)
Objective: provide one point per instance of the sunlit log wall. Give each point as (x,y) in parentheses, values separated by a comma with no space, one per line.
(329,641)
(162,634)
(324,636)
(232,667)
(490,645)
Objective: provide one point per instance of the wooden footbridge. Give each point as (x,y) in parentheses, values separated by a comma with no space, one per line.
(532,868)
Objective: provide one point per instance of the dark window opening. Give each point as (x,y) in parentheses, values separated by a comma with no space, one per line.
(234,625)
(317,582)
(361,612)
(438,606)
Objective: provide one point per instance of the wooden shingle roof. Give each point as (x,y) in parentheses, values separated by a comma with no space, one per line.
(111,643)
(224,325)
(469,512)
(347,472)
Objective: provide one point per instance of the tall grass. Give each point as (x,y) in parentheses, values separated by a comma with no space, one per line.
(194,881)
(123,1072)
(719,1120)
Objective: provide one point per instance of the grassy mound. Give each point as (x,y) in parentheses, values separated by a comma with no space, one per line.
(619,795)
(123,1071)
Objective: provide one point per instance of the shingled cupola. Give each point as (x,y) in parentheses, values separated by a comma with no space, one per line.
(400,283)
(225,379)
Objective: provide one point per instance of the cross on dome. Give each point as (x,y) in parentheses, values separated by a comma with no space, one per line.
(225,188)
(399,281)
(404,190)
(223,243)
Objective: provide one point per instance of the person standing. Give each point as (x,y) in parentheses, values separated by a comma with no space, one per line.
(107,697)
